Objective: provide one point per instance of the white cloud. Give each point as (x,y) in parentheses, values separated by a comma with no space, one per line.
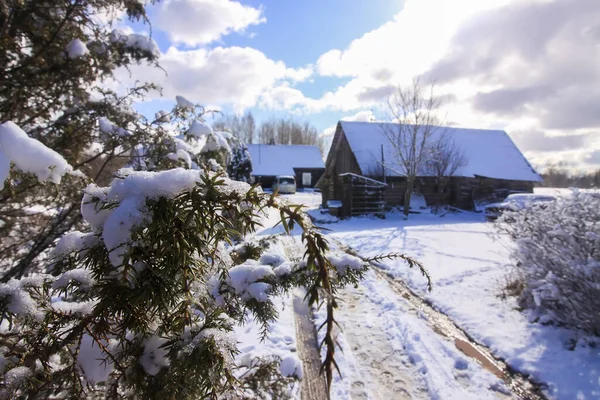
(528,66)
(416,37)
(300,74)
(235,76)
(282,97)
(195,22)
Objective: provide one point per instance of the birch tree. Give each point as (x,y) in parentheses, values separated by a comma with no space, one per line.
(413,109)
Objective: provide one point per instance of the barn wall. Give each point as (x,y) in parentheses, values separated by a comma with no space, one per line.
(470,189)
(315,176)
(340,160)
(459,192)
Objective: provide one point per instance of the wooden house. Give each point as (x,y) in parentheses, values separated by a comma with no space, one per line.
(493,166)
(302,161)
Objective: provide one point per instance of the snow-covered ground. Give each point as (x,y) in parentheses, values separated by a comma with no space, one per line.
(469,268)
(390,352)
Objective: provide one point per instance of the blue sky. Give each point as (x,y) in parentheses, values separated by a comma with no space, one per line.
(289,35)
(526,66)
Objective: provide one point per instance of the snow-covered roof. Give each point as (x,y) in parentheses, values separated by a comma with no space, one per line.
(488,153)
(273,160)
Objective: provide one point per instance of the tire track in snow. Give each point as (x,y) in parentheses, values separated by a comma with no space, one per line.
(378,368)
(391,352)
(521,386)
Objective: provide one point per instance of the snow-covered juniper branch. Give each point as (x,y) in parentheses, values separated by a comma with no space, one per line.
(153,291)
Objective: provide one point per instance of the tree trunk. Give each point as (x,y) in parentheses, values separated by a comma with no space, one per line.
(410,183)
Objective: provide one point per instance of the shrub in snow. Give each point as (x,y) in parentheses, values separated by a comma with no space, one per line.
(263,378)
(557,258)
(240,164)
(148,297)
(53,96)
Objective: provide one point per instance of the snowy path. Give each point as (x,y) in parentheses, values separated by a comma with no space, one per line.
(390,351)
(381,371)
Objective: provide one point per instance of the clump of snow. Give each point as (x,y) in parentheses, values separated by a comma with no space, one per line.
(94,149)
(19,301)
(135,41)
(142,42)
(214,165)
(130,213)
(181,144)
(154,357)
(81,308)
(162,116)
(152,185)
(106,126)
(184,103)
(283,269)
(130,191)
(30,155)
(81,275)
(91,210)
(291,366)
(74,241)
(244,280)
(15,376)
(214,142)
(181,155)
(199,128)
(344,262)
(272,258)
(76,48)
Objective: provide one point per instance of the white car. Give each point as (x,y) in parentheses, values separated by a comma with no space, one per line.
(284,184)
(516,202)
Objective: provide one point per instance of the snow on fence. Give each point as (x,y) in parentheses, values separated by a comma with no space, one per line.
(362,195)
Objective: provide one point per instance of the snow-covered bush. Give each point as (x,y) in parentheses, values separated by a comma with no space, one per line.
(143,304)
(557,258)
(240,164)
(56,57)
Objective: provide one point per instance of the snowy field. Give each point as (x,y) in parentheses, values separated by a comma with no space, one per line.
(468,268)
(389,352)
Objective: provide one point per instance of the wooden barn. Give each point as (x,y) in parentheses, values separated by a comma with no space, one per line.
(493,166)
(302,161)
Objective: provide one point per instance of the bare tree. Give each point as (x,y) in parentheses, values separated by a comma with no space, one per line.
(444,159)
(243,127)
(413,109)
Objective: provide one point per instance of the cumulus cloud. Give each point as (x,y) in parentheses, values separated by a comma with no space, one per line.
(235,76)
(541,58)
(508,64)
(282,97)
(196,22)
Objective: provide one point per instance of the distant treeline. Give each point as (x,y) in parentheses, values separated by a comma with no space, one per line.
(561,177)
(276,130)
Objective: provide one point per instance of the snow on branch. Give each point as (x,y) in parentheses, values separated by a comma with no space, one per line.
(29,155)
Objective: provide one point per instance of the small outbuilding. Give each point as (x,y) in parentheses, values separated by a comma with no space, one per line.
(493,166)
(304,162)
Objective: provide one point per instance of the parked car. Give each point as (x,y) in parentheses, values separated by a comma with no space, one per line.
(285,184)
(516,202)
